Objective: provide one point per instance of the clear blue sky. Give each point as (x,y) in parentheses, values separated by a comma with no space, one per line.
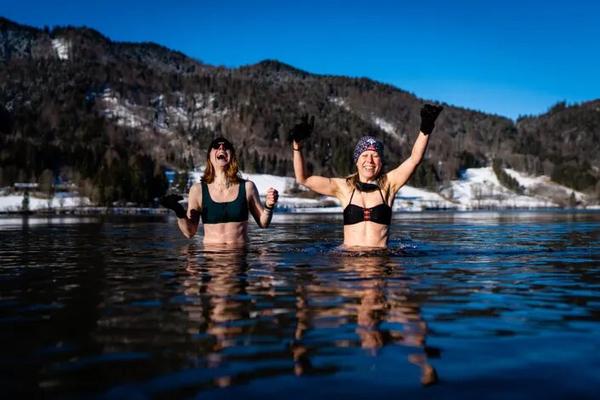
(508,57)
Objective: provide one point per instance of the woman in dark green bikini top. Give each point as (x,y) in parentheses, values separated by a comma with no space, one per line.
(223,200)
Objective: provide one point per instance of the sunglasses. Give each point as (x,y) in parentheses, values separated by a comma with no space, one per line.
(226,145)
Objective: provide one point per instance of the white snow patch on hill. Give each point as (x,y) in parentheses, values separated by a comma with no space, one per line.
(480,188)
(62,48)
(384,125)
(124,113)
(340,102)
(542,186)
(202,113)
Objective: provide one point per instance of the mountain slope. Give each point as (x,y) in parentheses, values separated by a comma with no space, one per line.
(85,108)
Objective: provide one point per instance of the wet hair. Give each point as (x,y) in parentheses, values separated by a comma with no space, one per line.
(232,173)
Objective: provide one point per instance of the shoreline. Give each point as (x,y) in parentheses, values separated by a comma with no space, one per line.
(90,211)
(86,211)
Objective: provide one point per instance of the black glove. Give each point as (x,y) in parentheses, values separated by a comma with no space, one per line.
(302,130)
(172,203)
(429,113)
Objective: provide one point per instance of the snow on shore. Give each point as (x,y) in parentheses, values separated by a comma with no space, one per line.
(14,202)
(478,188)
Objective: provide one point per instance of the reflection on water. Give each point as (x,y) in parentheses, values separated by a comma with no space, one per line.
(241,310)
(462,306)
(380,295)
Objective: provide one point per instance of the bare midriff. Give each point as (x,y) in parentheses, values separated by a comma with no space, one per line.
(366,234)
(226,233)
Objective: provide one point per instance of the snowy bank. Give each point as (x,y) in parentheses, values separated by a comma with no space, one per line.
(478,188)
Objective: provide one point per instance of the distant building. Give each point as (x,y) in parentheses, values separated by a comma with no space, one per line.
(25,186)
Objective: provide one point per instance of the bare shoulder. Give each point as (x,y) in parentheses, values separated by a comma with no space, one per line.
(251,189)
(341,184)
(196,188)
(195,196)
(343,189)
(249,185)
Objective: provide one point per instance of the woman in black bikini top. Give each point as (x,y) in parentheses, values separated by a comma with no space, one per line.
(380,214)
(367,220)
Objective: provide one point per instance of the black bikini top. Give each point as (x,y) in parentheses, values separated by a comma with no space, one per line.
(380,214)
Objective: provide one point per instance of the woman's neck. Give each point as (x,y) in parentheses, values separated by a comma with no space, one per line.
(365,180)
(221,179)
(366,185)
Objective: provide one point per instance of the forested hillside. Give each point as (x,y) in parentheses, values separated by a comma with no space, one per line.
(111,117)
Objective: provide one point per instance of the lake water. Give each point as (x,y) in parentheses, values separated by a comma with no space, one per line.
(466,305)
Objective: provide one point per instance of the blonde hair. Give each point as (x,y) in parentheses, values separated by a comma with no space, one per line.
(232,173)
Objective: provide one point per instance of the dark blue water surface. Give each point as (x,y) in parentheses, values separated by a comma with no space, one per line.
(465,305)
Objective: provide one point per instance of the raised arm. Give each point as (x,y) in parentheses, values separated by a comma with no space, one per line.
(262,215)
(400,175)
(319,184)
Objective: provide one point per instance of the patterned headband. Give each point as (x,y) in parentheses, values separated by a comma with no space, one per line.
(367,143)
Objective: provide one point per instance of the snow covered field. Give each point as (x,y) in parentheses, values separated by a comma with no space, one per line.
(478,188)
(14,203)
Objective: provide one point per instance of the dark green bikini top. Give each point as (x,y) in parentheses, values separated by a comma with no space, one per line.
(231,211)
